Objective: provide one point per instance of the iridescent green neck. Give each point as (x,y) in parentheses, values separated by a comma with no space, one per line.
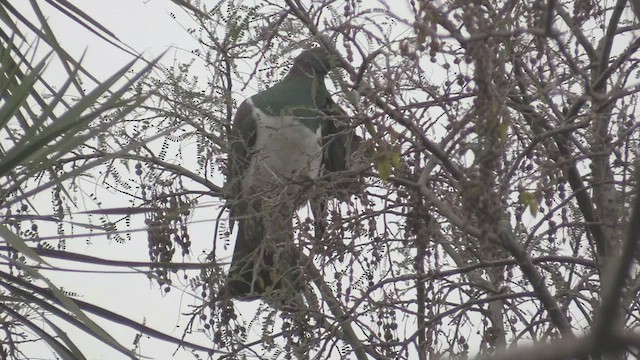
(303,97)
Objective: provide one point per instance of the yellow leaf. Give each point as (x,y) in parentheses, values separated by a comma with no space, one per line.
(383,165)
(396,158)
(529,200)
(371,130)
(503,131)
(533,207)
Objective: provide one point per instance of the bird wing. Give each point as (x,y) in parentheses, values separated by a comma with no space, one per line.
(338,141)
(242,139)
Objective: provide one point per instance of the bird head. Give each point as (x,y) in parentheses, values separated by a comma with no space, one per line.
(316,58)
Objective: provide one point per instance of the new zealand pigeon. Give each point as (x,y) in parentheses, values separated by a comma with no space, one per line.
(281,140)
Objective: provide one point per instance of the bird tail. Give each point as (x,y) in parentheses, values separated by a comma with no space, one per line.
(247,279)
(260,267)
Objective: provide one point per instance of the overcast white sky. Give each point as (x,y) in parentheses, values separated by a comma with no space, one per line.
(148,28)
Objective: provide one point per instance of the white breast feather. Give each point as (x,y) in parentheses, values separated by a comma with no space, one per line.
(285,150)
